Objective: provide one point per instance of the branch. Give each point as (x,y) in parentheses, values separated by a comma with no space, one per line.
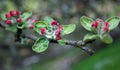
(80,44)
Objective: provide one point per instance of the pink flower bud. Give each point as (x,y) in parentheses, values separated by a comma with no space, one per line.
(19,20)
(9,22)
(12,13)
(54,23)
(34,20)
(18,12)
(7,15)
(31,27)
(60,27)
(105,29)
(106,24)
(43,30)
(95,24)
(57,32)
(58,37)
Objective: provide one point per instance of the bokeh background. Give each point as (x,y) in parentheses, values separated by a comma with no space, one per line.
(16,56)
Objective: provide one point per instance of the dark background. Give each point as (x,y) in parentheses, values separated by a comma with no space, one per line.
(14,56)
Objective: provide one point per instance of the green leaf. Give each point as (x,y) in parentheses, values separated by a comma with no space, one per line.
(67,29)
(62,41)
(114,21)
(106,38)
(39,25)
(90,37)
(40,45)
(11,28)
(26,15)
(3,16)
(48,21)
(86,22)
(21,25)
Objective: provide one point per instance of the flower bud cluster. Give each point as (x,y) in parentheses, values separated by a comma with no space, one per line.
(13,16)
(54,32)
(99,23)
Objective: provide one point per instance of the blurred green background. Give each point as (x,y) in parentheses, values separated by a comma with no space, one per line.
(14,56)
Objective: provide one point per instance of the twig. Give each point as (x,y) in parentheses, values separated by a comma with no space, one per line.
(80,44)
